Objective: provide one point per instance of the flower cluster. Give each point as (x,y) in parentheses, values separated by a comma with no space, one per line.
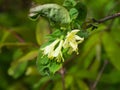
(54,50)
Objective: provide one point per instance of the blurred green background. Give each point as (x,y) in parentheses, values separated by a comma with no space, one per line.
(20,39)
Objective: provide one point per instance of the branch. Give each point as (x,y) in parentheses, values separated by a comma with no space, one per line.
(109,18)
(15,34)
(99,75)
(94,21)
(20,39)
(62,73)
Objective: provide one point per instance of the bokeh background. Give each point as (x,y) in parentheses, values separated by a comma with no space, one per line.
(20,39)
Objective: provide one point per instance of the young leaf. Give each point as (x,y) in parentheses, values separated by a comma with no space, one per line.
(53,12)
(69,3)
(54,66)
(42,30)
(73,13)
(46,66)
(42,64)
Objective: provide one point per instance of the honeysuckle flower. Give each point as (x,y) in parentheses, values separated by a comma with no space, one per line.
(72,40)
(58,53)
(54,50)
(49,50)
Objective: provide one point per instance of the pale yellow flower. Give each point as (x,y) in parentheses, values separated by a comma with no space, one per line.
(49,50)
(54,50)
(58,53)
(72,40)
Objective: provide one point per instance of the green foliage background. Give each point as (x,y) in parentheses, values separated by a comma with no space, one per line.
(20,39)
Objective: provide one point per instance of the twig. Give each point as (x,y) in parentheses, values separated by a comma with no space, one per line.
(99,75)
(20,39)
(94,21)
(17,36)
(62,72)
(109,17)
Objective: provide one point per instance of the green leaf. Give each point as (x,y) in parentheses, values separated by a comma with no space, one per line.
(115,33)
(47,66)
(96,64)
(111,78)
(88,53)
(17,69)
(85,74)
(54,66)
(42,64)
(68,81)
(89,58)
(73,13)
(5,36)
(77,10)
(42,81)
(54,35)
(41,31)
(17,54)
(112,49)
(53,12)
(69,3)
(29,56)
(82,11)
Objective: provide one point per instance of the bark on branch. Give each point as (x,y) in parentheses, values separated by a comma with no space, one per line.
(109,17)
(94,21)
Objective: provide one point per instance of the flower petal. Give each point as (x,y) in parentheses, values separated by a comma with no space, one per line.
(48,50)
(72,40)
(58,53)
